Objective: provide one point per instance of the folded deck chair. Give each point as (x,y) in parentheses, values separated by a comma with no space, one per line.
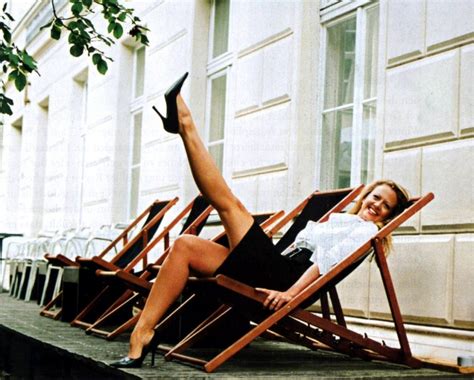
(193,216)
(123,250)
(138,286)
(314,207)
(308,329)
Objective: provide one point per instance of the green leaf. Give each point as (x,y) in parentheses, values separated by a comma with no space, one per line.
(87,3)
(102,67)
(76,50)
(122,16)
(12,76)
(111,27)
(118,31)
(76,9)
(7,36)
(5,108)
(96,58)
(144,40)
(20,81)
(14,59)
(55,32)
(28,61)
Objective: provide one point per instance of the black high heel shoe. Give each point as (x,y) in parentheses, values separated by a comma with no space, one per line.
(127,362)
(170,122)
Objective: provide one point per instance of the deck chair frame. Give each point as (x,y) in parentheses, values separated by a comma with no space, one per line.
(301,326)
(52,308)
(193,225)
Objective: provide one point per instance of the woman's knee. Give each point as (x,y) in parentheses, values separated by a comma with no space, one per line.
(181,247)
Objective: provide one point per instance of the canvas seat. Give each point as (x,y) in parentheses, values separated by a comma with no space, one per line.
(298,325)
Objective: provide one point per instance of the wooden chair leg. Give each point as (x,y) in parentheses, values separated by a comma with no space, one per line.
(393,303)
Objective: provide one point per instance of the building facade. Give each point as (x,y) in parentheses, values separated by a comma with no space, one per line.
(290,96)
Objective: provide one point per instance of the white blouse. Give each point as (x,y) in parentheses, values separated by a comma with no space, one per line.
(333,240)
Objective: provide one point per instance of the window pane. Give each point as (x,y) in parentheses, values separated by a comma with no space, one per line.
(340,60)
(134,189)
(337,146)
(137,138)
(217,152)
(221,27)
(371,43)
(368,143)
(139,72)
(218,98)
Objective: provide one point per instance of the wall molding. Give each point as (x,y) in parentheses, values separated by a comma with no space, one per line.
(260,170)
(265,105)
(404,59)
(265,42)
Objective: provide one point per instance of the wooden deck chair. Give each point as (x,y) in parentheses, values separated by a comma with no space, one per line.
(138,286)
(193,216)
(308,329)
(123,250)
(315,206)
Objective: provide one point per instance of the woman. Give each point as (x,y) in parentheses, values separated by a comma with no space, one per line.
(251,257)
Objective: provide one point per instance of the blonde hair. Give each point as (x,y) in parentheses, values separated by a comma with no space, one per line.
(403,198)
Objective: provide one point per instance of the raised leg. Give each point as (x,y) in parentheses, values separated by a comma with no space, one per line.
(235,218)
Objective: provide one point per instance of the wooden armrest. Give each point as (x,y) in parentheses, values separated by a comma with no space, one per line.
(240,288)
(105,273)
(202,280)
(136,282)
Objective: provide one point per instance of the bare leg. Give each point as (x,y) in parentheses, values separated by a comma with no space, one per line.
(188,253)
(235,218)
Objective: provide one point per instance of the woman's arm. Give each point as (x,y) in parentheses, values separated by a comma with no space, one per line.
(276,299)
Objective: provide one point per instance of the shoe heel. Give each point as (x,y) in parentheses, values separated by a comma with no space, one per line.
(153,352)
(163,119)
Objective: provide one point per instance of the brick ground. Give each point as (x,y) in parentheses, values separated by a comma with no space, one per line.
(43,348)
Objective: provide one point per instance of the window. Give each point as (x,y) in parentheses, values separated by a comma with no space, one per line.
(349,106)
(82,87)
(136,139)
(217,73)
(221,27)
(139,72)
(217,119)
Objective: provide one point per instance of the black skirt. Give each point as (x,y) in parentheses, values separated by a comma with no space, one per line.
(256,262)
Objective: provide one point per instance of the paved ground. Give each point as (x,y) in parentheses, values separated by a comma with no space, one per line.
(36,347)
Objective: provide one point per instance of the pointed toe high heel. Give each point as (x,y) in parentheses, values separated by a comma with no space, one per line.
(170,122)
(127,362)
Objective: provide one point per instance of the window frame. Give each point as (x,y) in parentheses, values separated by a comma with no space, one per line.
(137,105)
(218,66)
(340,14)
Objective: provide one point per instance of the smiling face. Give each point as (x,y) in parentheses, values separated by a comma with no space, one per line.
(378,204)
